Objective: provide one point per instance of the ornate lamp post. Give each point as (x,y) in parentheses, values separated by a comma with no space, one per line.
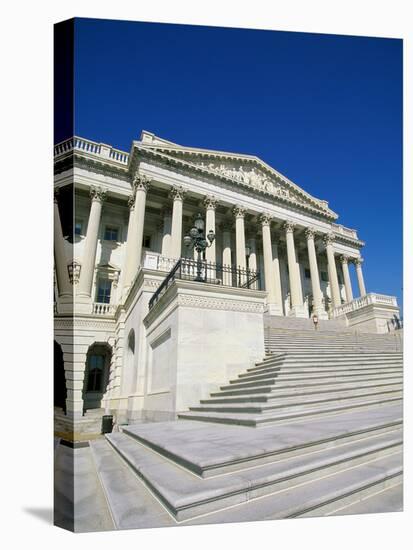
(196,239)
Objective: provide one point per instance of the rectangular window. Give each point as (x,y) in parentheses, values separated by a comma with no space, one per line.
(324,276)
(307,273)
(146,243)
(104,288)
(111,233)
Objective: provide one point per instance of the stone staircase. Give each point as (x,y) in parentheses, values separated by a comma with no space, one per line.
(304,432)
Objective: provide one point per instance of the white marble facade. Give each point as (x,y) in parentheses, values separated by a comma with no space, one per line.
(131,212)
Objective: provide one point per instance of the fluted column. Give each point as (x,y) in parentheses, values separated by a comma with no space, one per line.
(252,260)
(166,237)
(210,203)
(98,195)
(318,307)
(135,230)
(277,277)
(226,252)
(347,280)
(62,274)
(297,307)
(239,213)
(360,279)
(332,271)
(274,304)
(177,193)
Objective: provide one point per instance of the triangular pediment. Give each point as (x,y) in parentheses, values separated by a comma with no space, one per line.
(245,170)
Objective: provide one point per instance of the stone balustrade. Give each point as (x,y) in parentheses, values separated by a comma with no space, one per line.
(100,308)
(363,301)
(91,147)
(346,231)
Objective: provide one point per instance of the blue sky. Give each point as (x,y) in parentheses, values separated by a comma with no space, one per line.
(325,110)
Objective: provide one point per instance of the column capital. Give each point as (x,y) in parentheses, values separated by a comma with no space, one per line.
(141,182)
(177,193)
(328,239)
(344,259)
(310,233)
(358,261)
(289,226)
(239,211)
(265,218)
(98,194)
(210,202)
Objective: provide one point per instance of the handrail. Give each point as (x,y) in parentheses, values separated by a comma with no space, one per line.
(207,272)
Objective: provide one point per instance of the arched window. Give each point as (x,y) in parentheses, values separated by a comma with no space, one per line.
(95,372)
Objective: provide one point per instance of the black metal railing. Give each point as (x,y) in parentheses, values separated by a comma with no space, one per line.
(202,271)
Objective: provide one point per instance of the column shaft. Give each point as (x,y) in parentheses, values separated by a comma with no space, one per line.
(226,254)
(277,277)
(315,277)
(91,243)
(177,194)
(166,238)
(239,213)
(360,278)
(347,280)
(292,267)
(135,231)
(62,274)
(210,204)
(332,272)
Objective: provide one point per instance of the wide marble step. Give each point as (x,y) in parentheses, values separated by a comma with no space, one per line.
(294,404)
(131,504)
(210,449)
(314,372)
(321,496)
(314,396)
(258,419)
(275,390)
(186,495)
(297,381)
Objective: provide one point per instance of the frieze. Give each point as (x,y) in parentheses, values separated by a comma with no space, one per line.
(204,302)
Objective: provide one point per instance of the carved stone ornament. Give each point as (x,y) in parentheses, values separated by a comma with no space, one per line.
(310,233)
(177,192)
(358,261)
(239,211)
(98,194)
(265,218)
(141,182)
(74,272)
(289,226)
(344,259)
(328,239)
(210,202)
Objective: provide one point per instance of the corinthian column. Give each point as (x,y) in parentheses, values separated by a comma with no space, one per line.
(210,203)
(360,278)
(62,274)
(98,195)
(332,271)
(347,280)
(177,193)
(315,278)
(297,307)
(252,261)
(274,294)
(135,230)
(226,253)
(239,213)
(166,237)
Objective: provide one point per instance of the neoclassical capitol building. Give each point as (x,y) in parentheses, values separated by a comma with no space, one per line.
(146,324)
